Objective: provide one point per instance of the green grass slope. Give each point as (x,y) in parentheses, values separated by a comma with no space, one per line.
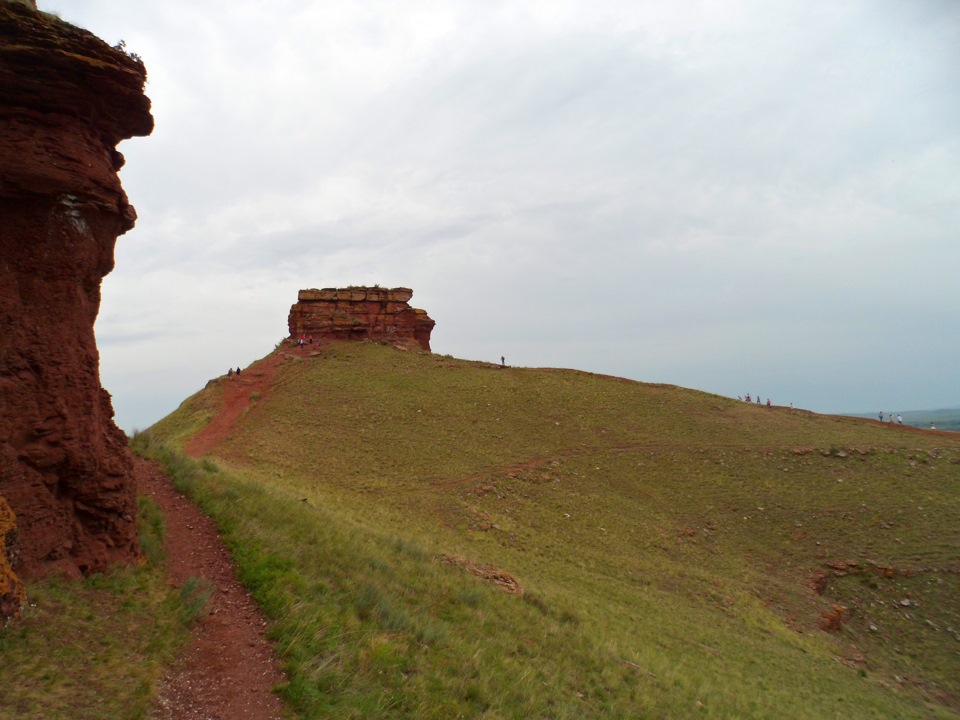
(680,553)
(96,648)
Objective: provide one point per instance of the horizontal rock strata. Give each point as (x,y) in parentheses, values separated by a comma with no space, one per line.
(66,100)
(359,313)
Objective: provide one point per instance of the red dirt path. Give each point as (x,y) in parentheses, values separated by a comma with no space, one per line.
(258,378)
(229,669)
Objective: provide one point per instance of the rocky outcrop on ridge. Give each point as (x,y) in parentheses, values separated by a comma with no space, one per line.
(66,100)
(359,313)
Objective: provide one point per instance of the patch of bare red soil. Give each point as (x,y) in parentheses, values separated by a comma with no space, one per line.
(239,392)
(229,669)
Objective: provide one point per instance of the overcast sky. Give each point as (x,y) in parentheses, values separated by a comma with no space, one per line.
(734,196)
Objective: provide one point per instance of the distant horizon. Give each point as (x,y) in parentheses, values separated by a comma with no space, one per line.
(131,428)
(902,412)
(942,419)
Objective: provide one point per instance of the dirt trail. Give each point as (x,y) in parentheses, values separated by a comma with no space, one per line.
(237,391)
(229,669)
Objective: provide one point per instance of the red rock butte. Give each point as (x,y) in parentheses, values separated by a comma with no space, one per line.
(66,99)
(359,313)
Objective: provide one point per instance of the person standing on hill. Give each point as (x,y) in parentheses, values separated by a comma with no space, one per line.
(899,419)
(881,416)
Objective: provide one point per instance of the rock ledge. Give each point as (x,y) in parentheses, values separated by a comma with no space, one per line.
(359,313)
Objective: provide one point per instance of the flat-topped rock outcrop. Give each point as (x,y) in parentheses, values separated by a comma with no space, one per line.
(66,99)
(359,313)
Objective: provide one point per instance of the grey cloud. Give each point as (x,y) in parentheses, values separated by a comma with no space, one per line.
(752,190)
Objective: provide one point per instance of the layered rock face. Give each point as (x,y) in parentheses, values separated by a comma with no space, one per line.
(359,313)
(66,100)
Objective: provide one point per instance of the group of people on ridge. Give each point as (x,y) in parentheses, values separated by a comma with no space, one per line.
(301,341)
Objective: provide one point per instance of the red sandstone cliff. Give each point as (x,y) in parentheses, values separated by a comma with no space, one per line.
(359,313)
(66,100)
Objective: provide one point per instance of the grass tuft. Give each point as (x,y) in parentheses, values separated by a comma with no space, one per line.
(195,594)
(152,528)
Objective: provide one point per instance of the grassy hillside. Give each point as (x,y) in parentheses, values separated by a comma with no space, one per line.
(96,648)
(678,552)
